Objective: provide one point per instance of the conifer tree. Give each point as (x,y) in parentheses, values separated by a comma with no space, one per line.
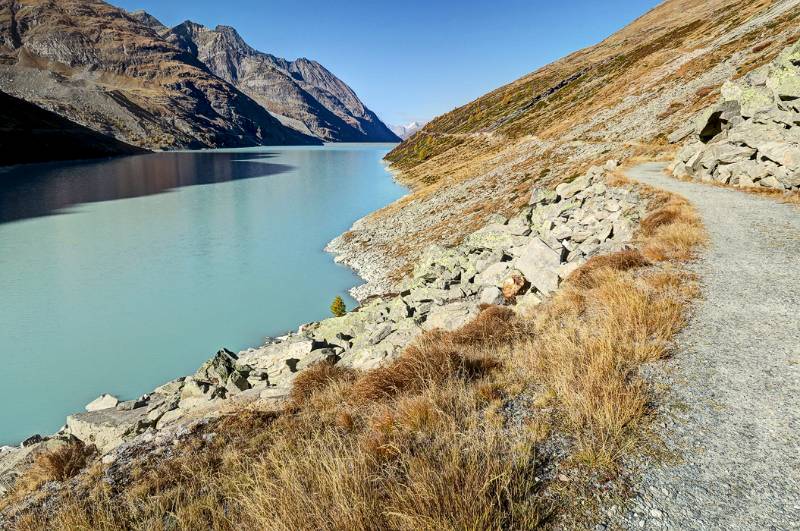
(337,307)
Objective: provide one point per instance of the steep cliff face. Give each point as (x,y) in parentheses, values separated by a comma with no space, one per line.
(100,67)
(302,94)
(31,134)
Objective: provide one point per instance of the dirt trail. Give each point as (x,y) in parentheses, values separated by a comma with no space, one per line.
(732,412)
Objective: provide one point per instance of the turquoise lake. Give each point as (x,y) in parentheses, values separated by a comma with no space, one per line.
(119,275)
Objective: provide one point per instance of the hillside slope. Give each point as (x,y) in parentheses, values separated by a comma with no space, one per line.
(627,94)
(100,67)
(303,93)
(30,134)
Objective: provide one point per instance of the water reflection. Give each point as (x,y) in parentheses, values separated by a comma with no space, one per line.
(36,190)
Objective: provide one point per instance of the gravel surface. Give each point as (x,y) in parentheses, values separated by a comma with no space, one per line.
(732,410)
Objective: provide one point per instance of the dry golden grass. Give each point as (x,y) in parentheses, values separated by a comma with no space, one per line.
(430,441)
(585,277)
(318,376)
(673,231)
(588,343)
(60,464)
(791,198)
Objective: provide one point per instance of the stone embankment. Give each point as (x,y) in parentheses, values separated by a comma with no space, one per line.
(515,262)
(752,137)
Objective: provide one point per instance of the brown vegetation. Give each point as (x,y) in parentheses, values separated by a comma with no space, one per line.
(457,433)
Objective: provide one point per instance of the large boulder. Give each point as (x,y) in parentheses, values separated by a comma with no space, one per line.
(714,120)
(223,371)
(569,189)
(494,275)
(784,77)
(752,137)
(275,364)
(493,237)
(781,153)
(107,428)
(451,316)
(103,401)
(491,295)
(539,265)
(749,100)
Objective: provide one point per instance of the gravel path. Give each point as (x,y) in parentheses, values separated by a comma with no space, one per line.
(732,411)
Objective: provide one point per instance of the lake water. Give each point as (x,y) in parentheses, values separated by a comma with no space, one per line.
(118,275)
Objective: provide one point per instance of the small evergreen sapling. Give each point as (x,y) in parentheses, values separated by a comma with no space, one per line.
(337,307)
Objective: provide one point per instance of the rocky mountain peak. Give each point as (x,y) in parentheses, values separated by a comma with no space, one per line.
(148,20)
(303,94)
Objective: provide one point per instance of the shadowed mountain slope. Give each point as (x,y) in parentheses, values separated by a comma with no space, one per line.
(31,134)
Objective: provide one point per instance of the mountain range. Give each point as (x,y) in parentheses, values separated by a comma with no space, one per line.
(407,131)
(128,76)
(302,94)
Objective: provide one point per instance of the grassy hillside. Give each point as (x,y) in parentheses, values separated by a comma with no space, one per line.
(676,40)
(620,98)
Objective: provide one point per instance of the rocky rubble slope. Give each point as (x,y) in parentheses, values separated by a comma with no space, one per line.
(303,94)
(516,262)
(752,137)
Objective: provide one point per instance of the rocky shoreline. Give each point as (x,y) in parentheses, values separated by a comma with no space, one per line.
(516,262)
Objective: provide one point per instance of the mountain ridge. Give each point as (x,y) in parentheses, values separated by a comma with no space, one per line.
(98,66)
(302,90)
(128,76)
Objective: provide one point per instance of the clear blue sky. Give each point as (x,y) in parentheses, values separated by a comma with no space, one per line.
(414,59)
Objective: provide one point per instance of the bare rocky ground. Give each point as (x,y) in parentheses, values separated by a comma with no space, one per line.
(730,415)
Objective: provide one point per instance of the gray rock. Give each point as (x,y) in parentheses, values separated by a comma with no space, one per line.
(771,182)
(727,153)
(107,428)
(781,153)
(539,264)
(171,387)
(491,295)
(103,401)
(567,190)
(451,316)
(493,237)
(493,275)
(540,196)
(527,303)
(219,369)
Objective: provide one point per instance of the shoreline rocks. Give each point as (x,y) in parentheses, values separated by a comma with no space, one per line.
(516,262)
(752,137)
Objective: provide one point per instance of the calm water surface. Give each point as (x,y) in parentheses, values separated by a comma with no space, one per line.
(119,275)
